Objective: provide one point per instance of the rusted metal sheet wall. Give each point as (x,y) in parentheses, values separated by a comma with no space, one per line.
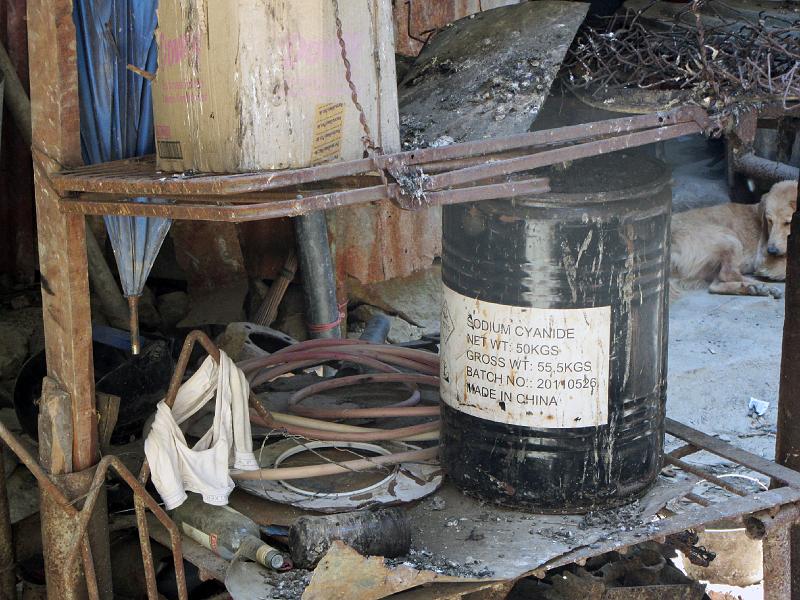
(375,243)
(415,20)
(17,221)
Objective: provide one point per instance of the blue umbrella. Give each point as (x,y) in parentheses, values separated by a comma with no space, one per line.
(117,120)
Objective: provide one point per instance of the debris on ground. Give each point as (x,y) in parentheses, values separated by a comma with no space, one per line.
(757,407)
(644,573)
(344,574)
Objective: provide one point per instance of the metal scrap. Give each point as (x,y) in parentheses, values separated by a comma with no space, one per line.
(344,574)
(718,66)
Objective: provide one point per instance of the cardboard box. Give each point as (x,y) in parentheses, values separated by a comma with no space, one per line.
(260,84)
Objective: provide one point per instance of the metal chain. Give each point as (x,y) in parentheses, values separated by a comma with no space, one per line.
(369,144)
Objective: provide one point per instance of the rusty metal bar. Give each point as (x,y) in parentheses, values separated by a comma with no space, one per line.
(763,168)
(511,189)
(204,559)
(787,443)
(144,474)
(88,570)
(49,488)
(781,474)
(147,549)
(42,478)
(80,541)
(684,451)
(697,499)
(780,582)
(567,153)
(692,518)
(146,182)
(707,476)
(141,494)
(271,209)
(100,205)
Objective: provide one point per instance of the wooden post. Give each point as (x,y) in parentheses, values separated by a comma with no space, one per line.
(65,291)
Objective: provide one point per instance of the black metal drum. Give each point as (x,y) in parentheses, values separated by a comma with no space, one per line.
(554,338)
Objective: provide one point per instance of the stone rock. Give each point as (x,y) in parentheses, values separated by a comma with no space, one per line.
(13,349)
(400,331)
(242,341)
(417,299)
(173,307)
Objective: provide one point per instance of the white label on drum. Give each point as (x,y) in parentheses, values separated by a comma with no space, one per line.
(537,367)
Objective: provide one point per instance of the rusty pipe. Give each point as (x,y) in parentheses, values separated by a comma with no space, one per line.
(326,469)
(352,413)
(763,168)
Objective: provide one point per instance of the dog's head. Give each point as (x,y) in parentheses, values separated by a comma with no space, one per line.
(776,209)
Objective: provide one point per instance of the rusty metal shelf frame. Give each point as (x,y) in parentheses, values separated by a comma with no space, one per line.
(462,172)
(106,190)
(770,514)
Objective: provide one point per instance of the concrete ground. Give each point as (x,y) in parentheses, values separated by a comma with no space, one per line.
(723,350)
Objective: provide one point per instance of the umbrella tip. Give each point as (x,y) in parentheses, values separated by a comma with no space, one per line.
(133,306)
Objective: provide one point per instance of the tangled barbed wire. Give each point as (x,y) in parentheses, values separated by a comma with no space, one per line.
(708,53)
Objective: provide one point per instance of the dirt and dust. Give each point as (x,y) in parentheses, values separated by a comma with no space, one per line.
(423,560)
(488,75)
(291,585)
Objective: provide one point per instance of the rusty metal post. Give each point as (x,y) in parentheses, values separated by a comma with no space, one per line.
(787,444)
(762,168)
(65,578)
(778,567)
(8,578)
(65,297)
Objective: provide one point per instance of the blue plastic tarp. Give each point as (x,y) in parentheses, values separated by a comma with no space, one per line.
(117,114)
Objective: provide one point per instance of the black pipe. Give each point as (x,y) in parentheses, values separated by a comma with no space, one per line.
(375,332)
(316,266)
(377,329)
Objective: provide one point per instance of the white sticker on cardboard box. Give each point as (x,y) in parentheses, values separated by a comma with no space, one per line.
(537,367)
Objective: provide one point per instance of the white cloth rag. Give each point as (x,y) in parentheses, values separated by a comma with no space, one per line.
(203,469)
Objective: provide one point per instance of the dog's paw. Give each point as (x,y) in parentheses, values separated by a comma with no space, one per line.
(759,289)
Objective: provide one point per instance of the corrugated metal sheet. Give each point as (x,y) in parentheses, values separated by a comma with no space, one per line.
(375,243)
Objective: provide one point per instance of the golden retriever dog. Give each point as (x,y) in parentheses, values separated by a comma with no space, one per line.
(722,245)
